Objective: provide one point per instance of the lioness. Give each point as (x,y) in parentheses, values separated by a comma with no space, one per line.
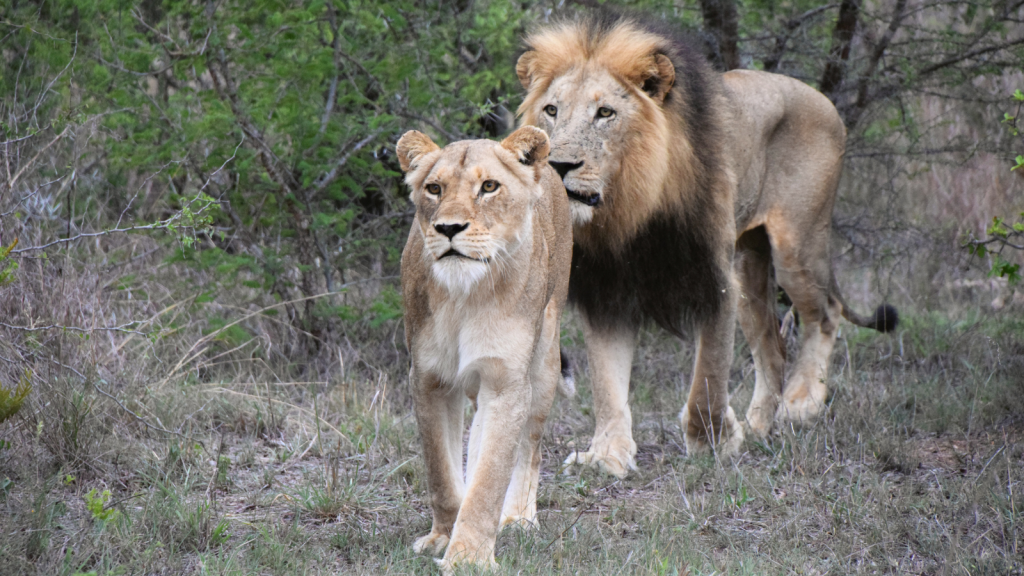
(682,180)
(485,274)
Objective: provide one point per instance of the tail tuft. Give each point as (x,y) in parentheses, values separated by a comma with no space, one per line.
(567,384)
(886,318)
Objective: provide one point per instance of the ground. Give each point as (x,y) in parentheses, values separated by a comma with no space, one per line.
(915,469)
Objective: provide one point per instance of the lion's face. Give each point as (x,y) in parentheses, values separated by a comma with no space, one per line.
(601,101)
(588,114)
(474,201)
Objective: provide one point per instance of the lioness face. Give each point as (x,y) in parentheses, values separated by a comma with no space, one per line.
(474,201)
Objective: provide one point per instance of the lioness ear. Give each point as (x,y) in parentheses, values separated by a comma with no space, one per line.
(659,78)
(524,68)
(529,144)
(411,146)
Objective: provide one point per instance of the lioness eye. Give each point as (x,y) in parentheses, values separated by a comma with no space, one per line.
(603,112)
(550,110)
(489,186)
(433,189)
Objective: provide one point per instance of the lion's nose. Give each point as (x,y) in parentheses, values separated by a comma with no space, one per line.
(564,168)
(450,230)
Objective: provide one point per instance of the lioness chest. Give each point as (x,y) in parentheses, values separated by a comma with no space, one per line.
(460,333)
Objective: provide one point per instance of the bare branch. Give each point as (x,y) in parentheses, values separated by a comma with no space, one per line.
(970,54)
(332,175)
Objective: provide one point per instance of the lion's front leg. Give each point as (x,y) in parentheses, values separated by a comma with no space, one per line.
(709,423)
(503,404)
(439,412)
(610,352)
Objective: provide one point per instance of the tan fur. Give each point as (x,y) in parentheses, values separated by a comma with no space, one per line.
(483,326)
(782,151)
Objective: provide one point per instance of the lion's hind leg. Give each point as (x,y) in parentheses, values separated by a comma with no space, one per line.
(803,270)
(759,322)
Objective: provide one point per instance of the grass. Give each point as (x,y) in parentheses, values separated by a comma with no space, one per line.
(254,457)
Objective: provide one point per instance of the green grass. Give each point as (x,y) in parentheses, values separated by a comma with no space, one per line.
(916,469)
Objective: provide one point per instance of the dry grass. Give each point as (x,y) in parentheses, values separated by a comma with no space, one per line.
(228,456)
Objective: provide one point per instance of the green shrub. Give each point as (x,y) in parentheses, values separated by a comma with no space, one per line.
(12,400)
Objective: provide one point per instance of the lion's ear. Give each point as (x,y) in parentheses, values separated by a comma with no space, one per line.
(411,146)
(530,145)
(659,78)
(524,68)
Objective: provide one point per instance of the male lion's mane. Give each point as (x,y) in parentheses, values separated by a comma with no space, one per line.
(657,251)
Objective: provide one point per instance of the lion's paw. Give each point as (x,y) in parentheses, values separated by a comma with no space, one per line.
(432,544)
(615,463)
(728,444)
(760,420)
(803,409)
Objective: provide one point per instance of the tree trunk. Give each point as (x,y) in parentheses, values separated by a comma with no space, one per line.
(722,20)
(839,54)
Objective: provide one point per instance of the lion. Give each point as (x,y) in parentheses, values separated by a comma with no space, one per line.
(687,187)
(485,275)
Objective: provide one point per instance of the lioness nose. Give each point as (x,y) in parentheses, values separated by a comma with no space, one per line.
(450,230)
(564,168)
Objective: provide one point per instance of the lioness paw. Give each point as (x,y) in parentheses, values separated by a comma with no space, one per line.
(613,464)
(432,544)
(516,520)
(727,445)
(448,565)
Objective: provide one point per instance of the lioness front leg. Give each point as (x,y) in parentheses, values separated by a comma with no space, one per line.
(503,404)
(521,498)
(708,421)
(439,413)
(610,352)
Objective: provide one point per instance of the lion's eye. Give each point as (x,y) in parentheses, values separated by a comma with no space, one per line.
(433,189)
(550,110)
(489,186)
(603,112)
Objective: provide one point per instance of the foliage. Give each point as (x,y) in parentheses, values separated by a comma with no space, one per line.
(1000,233)
(8,266)
(11,400)
(1018,97)
(96,503)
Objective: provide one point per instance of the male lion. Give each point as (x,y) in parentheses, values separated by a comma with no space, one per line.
(682,180)
(485,275)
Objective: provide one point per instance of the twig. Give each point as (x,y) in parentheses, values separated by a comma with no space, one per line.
(569,527)
(140,419)
(161,225)
(10,185)
(121,328)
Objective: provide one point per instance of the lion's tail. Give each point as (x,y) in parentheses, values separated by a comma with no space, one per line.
(884,319)
(567,383)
